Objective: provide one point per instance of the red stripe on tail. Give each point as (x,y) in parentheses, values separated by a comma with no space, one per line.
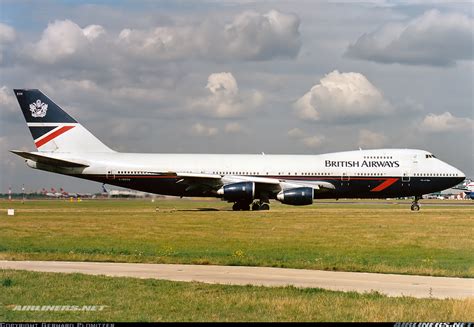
(53,135)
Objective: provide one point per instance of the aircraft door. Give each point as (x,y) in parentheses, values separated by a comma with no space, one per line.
(407,172)
(405,177)
(345,180)
(109,173)
(345,177)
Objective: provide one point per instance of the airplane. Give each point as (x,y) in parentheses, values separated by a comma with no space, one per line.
(53,193)
(468,188)
(122,193)
(75,194)
(56,193)
(48,194)
(66,147)
(67,194)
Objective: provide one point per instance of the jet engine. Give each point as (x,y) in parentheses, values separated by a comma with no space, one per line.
(242,191)
(299,196)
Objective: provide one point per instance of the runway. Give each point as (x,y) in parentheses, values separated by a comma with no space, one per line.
(388,284)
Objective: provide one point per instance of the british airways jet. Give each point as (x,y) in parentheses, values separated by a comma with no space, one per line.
(249,181)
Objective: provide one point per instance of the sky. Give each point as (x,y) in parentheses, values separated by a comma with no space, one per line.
(280,77)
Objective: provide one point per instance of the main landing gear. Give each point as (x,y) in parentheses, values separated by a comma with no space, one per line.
(415,206)
(245,206)
(259,205)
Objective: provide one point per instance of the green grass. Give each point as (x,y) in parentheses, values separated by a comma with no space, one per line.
(377,237)
(129,299)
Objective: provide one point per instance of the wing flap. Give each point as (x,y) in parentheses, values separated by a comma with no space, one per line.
(318,186)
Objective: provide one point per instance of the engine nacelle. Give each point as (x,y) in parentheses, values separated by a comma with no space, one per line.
(30,163)
(299,196)
(242,191)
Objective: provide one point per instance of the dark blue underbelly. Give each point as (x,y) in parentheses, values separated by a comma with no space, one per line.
(348,187)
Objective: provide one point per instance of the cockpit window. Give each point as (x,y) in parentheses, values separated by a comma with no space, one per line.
(430,156)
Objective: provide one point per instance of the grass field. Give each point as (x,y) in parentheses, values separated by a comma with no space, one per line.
(380,237)
(128,299)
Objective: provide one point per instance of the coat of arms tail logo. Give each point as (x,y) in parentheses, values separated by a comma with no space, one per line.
(38,109)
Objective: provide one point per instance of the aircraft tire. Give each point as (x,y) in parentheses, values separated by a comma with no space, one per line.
(241,206)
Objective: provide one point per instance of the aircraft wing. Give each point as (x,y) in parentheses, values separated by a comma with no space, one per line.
(210,183)
(203,183)
(48,160)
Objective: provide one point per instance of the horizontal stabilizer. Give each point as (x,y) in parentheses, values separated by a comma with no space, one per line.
(48,160)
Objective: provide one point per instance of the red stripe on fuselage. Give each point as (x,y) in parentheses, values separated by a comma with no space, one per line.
(53,135)
(384,185)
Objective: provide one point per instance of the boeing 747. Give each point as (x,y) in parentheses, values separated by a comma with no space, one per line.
(248,181)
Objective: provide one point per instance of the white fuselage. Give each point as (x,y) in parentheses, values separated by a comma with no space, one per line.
(383,162)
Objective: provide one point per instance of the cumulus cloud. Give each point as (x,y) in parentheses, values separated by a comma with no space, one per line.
(295,133)
(8,106)
(7,99)
(64,39)
(434,38)
(7,36)
(370,139)
(446,122)
(233,128)
(7,33)
(225,99)
(342,96)
(202,130)
(254,36)
(160,43)
(250,36)
(313,141)
(310,141)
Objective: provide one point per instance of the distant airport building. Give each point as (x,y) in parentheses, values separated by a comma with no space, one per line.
(462,191)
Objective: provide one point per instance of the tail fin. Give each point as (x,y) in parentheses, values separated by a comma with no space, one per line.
(104,189)
(53,130)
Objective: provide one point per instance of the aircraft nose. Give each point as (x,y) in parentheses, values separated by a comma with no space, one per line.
(461,179)
(460,176)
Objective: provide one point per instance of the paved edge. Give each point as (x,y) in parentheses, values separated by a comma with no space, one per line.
(387,284)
